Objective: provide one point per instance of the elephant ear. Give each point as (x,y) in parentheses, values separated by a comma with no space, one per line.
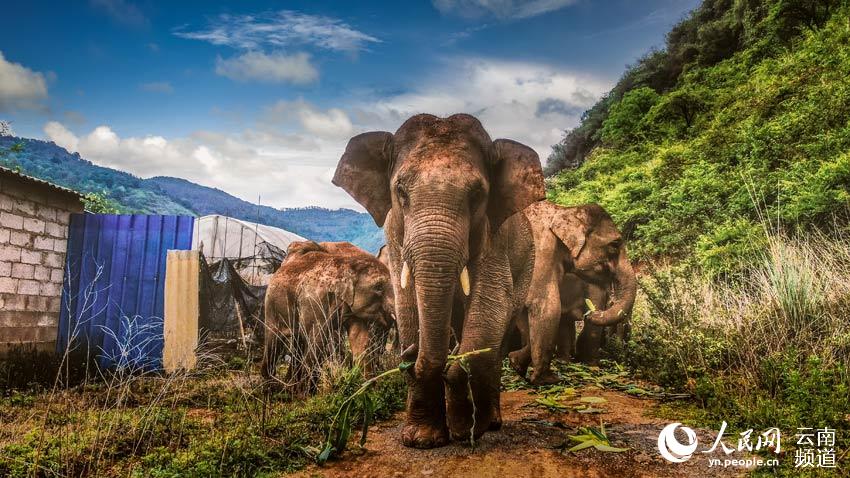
(516,180)
(343,292)
(297,248)
(364,172)
(571,230)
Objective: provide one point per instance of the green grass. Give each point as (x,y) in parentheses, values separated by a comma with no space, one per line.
(767,139)
(769,349)
(216,422)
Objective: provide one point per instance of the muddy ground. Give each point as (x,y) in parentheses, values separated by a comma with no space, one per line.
(529,444)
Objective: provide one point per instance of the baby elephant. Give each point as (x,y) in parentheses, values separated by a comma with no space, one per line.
(579,255)
(321,293)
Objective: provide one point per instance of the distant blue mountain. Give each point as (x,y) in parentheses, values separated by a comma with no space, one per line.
(167,195)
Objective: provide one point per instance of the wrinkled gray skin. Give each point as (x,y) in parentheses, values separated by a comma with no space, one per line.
(322,292)
(443,191)
(579,254)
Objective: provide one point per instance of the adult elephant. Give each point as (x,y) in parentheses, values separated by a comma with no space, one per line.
(580,255)
(443,191)
(322,293)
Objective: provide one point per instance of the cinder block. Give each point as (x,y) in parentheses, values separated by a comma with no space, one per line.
(20,238)
(30,257)
(5,235)
(60,245)
(10,253)
(22,271)
(54,305)
(41,273)
(51,289)
(11,220)
(46,212)
(25,207)
(54,260)
(57,275)
(29,287)
(37,303)
(27,334)
(56,230)
(17,319)
(8,285)
(13,302)
(7,203)
(34,225)
(44,243)
(47,320)
(5,269)
(63,217)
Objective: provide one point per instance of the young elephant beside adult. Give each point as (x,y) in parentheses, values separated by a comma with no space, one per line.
(321,293)
(444,193)
(579,255)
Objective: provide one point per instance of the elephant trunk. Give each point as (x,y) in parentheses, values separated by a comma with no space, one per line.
(625,291)
(435,252)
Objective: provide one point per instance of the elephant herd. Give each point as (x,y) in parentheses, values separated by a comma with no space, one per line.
(475,259)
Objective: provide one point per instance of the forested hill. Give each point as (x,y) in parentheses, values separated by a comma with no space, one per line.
(315,223)
(744,116)
(163,195)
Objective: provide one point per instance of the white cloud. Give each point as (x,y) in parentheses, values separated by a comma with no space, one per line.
(268,68)
(288,155)
(527,102)
(20,87)
(157,87)
(333,123)
(60,135)
(285,28)
(287,169)
(504,9)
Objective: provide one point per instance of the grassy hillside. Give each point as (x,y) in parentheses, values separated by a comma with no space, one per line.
(50,162)
(743,119)
(126,193)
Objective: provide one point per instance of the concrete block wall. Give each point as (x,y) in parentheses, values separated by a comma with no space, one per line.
(34,221)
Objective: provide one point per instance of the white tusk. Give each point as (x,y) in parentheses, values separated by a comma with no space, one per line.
(464,281)
(405,275)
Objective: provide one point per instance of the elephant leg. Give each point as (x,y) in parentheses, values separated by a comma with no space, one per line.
(271,350)
(520,359)
(472,399)
(544,319)
(588,343)
(567,335)
(591,337)
(472,418)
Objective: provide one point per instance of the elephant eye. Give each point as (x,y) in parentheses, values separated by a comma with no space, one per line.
(402,195)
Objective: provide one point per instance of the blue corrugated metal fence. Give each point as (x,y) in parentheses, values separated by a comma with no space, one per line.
(113,294)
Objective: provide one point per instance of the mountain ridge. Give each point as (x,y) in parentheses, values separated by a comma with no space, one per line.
(170,195)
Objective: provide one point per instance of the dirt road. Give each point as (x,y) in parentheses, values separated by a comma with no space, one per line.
(528,445)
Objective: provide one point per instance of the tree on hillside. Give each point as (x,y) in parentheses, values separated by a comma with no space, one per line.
(6,128)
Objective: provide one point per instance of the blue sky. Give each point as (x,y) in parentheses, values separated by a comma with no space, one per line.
(259,98)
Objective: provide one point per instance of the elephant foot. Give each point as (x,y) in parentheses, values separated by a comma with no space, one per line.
(461,426)
(518,362)
(424,435)
(544,378)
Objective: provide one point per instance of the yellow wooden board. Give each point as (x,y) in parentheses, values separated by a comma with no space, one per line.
(182,309)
